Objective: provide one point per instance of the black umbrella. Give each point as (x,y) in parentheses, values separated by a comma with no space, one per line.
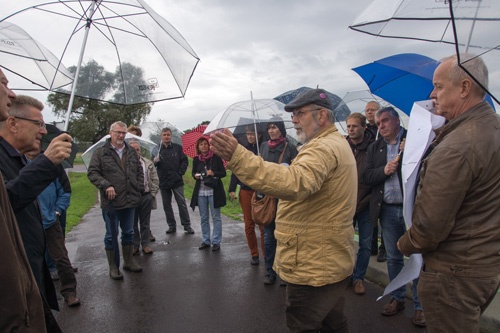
(52,132)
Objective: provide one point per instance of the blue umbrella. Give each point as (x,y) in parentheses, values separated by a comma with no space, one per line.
(401,79)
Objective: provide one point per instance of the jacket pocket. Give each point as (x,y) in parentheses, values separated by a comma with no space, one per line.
(286,251)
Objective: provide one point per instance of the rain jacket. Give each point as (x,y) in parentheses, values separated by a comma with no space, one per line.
(172,165)
(54,198)
(456,218)
(125,175)
(360,151)
(317,192)
(21,307)
(24,182)
(153,181)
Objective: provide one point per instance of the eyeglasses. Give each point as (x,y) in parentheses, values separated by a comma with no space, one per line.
(40,123)
(119,132)
(300,113)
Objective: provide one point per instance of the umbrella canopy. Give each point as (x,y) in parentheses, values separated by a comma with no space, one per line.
(189,140)
(341,112)
(33,65)
(147,147)
(52,132)
(254,114)
(401,79)
(146,57)
(472,26)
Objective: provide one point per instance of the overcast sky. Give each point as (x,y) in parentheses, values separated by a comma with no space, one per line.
(268,47)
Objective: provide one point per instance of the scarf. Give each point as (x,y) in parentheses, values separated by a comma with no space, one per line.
(205,157)
(275,143)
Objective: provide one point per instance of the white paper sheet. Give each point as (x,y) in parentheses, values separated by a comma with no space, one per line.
(418,139)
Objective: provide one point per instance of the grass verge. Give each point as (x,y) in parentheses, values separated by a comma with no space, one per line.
(83,197)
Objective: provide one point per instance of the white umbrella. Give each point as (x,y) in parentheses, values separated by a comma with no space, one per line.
(33,65)
(146,145)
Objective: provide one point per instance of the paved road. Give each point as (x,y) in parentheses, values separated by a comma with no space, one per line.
(183,289)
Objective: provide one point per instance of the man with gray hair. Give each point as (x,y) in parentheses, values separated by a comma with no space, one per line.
(383,173)
(317,202)
(21,132)
(116,171)
(456,219)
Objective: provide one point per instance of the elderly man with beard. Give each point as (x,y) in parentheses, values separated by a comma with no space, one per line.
(314,232)
(456,220)
(20,132)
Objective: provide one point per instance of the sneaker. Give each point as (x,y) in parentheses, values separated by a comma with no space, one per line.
(269,279)
(254,261)
(203,246)
(419,318)
(358,287)
(54,276)
(393,307)
(216,247)
(170,230)
(189,230)
(382,256)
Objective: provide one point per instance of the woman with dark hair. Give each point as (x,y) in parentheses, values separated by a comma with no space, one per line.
(208,169)
(271,151)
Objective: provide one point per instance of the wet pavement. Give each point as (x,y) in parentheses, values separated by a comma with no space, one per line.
(183,289)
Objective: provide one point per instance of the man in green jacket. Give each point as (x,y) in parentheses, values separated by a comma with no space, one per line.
(314,231)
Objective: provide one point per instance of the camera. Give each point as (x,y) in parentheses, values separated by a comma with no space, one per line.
(203,174)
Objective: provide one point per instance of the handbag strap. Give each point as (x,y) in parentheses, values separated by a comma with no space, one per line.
(282,153)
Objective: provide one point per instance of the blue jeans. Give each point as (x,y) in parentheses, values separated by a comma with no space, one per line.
(393,227)
(270,247)
(125,219)
(365,232)
(204,204)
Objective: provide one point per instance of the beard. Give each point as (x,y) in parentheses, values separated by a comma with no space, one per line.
(303,138)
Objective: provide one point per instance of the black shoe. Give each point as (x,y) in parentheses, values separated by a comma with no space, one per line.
(204,246)
(254,261)
(189,230)
(216,247)
(269,279)
(171,230)
(151,237)
(282,283)
(75,269)
(382,256)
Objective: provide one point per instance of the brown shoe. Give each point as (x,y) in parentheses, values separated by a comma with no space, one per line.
(136,251)
(358,287)
(419,318)
(72,300)
(393,307)
(147,250)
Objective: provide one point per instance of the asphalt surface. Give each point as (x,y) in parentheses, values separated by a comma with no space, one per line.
(183,289)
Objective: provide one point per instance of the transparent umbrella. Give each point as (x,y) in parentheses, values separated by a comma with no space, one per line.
(143,55)
(472,26)
(33,66)
(147,147)
(253,114)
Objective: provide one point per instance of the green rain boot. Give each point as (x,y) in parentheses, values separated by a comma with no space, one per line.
(129,263)
(114,271)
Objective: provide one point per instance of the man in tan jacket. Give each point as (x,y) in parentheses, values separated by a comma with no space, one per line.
(317,192)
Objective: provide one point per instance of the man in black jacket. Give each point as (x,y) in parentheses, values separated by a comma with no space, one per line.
(20,133)
(383,173)
(171,164)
